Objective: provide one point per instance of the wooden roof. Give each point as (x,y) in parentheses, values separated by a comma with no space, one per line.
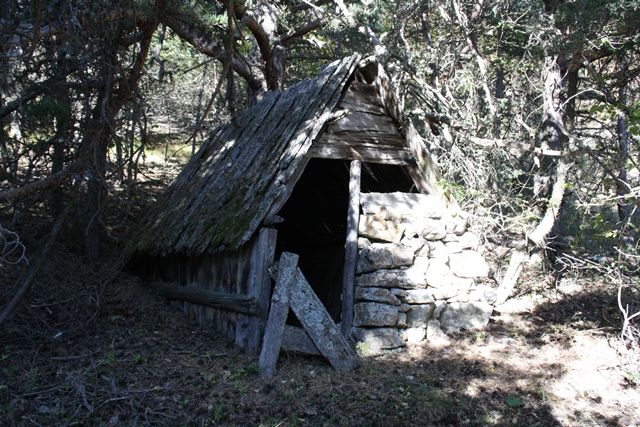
(245,171)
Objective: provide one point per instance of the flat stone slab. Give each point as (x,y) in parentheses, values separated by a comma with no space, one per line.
(378,228)
(378,339)
(374,314)
(460,315)
(438,274)
(404,203)
(414,335)
(383,255)
(434,330)
(376,295)
(418,296)
(413,277)
(427,228)
(440,305)
(456,225)
(419,315)
(402,320)
(437,250)
(484,293)
(453,247)
(468,264)
(469,241)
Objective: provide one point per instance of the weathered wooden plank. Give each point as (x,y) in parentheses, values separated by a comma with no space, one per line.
(293,161)
(364,88)
(249,151)
(386,94)
(294,140)
(377,124)
(250,329)
(296,136)
(224,194)
(189,192)
(369,154)
(362,97)
(364,138)
(298,341)
(350,249)
(287,271)
(353,105)
(320,327)
(235,303)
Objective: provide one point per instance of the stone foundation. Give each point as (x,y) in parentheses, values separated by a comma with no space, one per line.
(416,272)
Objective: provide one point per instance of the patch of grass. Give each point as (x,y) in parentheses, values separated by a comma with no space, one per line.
(139,359)
(514,401)
(248,369)
(436,398)
(171,150)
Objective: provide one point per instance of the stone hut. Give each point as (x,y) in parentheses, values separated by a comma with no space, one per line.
(329,171)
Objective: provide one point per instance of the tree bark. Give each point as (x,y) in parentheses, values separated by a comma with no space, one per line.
(551,178)
(537,238)
(98,133)
(231,302)
(623,153)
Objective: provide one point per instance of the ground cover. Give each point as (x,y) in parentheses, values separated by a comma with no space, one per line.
(84,352)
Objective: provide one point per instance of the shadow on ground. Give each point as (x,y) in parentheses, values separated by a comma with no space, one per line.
(137,361)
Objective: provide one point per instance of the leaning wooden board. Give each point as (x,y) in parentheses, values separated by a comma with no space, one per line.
(320,326)
(292,290)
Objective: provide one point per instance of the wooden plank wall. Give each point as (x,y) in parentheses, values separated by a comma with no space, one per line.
(242,272)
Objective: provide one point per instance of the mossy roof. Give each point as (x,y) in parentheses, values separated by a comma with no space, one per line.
(231,184)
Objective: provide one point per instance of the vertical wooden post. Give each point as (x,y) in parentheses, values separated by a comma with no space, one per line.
(351,250)
(250,329)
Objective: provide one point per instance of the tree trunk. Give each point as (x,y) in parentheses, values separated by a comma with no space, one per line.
(551,136)
(549,183)
(537,238)
(623,154)
(96,194)
(98,134)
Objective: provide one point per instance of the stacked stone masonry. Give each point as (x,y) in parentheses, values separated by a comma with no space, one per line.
(416,272)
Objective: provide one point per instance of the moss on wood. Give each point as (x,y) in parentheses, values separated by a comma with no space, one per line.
(226,190)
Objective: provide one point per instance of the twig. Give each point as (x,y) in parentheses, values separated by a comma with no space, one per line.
(10,243)
(35,268)
(624,309)
(199,355)
(67,358)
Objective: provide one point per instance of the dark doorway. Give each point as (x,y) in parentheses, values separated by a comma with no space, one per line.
(380,178)
(314,227)
(315,220)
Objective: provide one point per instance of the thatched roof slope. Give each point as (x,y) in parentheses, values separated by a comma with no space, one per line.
(230,186)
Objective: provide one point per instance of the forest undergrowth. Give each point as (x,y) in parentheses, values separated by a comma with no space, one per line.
(531,110)
(87,348)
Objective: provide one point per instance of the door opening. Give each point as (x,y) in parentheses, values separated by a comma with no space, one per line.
(315,220)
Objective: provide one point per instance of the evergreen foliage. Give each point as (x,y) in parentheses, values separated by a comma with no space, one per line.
(501,90)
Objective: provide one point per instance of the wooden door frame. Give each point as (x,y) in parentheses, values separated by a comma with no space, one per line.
(351,249)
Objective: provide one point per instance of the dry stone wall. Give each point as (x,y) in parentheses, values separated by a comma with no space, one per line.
(416,272)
